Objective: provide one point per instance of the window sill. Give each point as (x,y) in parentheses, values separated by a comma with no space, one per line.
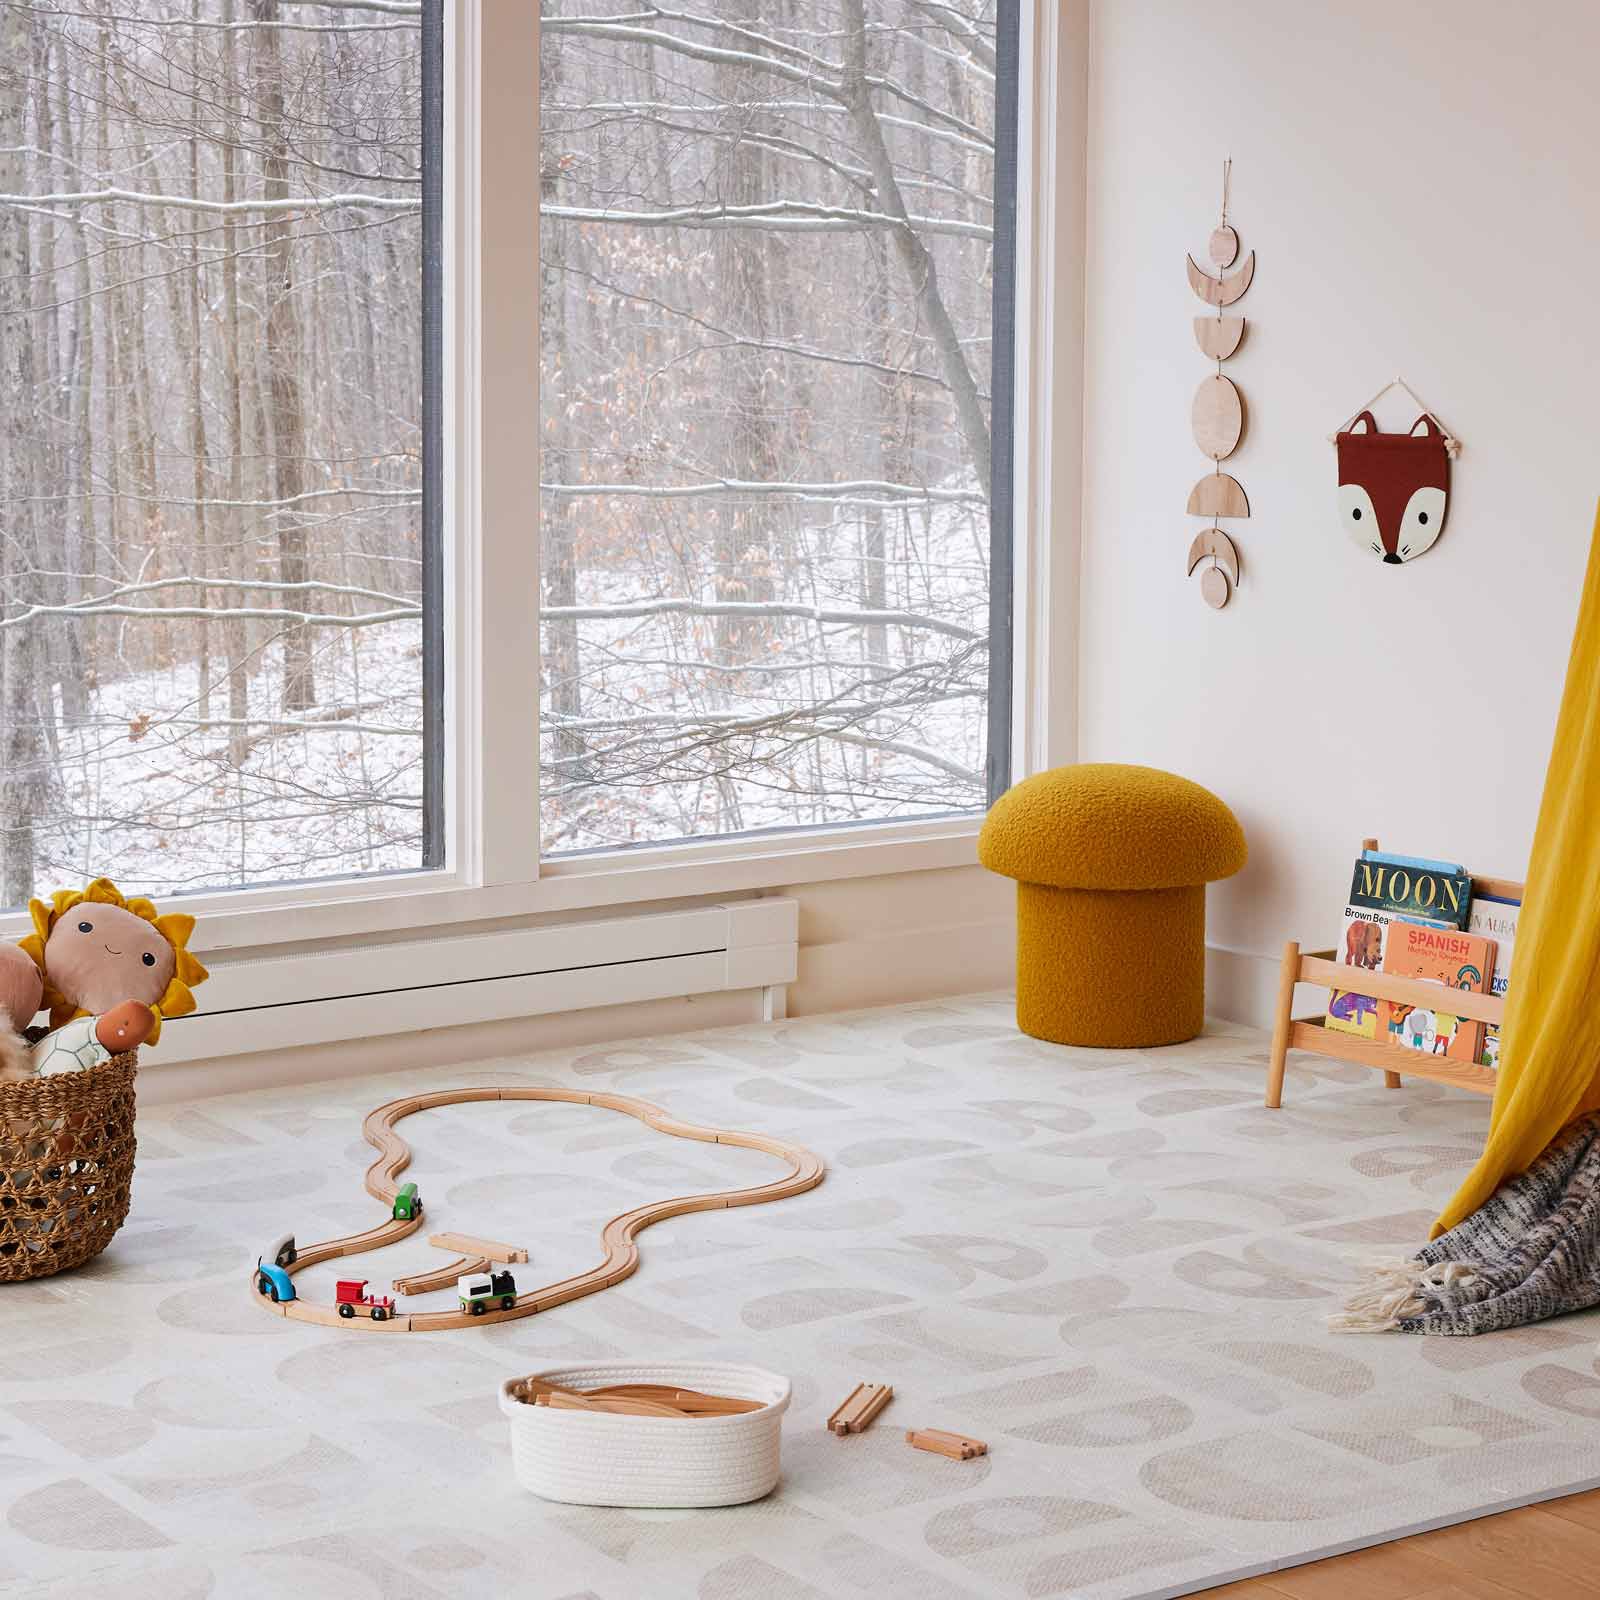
(249,920)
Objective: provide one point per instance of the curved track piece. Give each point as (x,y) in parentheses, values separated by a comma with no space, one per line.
(426,1282)
(621,1252)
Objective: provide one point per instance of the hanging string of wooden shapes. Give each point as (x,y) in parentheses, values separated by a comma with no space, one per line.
(1218,415)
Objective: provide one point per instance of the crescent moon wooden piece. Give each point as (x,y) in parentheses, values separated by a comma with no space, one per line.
(1217,417)
(1215,543)
(1225,290)
(1218,337)
(1218,495)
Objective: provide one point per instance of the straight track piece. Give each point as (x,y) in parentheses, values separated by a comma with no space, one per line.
(467,1244)
(860,1407)
(955,1445)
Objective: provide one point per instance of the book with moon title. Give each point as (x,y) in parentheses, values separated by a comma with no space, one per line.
(1386,889)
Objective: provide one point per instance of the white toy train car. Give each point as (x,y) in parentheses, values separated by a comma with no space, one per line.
(486,1291)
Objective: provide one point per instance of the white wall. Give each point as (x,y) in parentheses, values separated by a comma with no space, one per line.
(1420,184)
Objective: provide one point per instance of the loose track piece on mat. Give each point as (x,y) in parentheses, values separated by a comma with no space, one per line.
(955,1445)
(618,1237)
(861,1405)
(469,1244)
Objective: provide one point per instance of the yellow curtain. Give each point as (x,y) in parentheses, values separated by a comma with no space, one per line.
(1550,1042)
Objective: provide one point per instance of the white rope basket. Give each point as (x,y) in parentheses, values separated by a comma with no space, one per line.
(600,1460)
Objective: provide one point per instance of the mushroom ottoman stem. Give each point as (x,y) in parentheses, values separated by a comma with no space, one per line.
(1113,968)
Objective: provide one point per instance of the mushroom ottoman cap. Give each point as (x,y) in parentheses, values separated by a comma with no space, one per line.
(1111,863)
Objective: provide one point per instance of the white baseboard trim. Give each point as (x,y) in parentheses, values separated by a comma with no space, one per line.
(1243,987)
(323,996)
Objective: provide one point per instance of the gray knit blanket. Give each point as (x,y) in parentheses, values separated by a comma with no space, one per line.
(1532,1251)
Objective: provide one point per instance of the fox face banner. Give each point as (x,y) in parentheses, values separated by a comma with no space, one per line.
(1394,488)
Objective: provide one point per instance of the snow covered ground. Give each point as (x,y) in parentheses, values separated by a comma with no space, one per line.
(151,797)
(819,720)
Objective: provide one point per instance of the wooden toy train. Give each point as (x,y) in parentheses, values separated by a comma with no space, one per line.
(273,1280)
(478,1292)
(486,1293)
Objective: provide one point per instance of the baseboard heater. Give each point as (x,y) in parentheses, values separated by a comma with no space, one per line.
(276,1002)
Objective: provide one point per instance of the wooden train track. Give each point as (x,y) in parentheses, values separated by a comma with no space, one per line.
(618,1236)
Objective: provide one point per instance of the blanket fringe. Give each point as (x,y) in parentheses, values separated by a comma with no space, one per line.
(1397,1288)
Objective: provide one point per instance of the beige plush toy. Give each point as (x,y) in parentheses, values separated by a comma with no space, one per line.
(94,954)
(95,949)
(21,995)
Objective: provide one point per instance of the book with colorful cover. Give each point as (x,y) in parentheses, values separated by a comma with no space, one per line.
(1453,960)
(1385,889)
(1494,918)
(1416,893)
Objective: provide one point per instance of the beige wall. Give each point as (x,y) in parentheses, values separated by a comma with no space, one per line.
(1419,183)
(863,942)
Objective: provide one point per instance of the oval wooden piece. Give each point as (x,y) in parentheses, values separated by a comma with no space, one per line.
(1224,246)
(1214,587)
(1218,417)
(1218,495)
(1225,290)
(1215,543)
(1218,337)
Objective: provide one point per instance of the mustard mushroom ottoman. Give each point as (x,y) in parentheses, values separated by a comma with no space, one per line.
(1111,864)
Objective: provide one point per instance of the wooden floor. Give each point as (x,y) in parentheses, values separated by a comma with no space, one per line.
(1544,1552)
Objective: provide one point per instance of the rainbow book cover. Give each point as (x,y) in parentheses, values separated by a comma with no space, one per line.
(1451,959)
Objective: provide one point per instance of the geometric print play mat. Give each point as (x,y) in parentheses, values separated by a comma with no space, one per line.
(1113,1266)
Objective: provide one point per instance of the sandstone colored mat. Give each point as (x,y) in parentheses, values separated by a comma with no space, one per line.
(1112,1266)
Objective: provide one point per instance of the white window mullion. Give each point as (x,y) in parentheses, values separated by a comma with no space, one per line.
(493,279)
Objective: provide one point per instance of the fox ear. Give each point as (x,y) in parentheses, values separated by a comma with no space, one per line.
(1431,429)
(1365,423)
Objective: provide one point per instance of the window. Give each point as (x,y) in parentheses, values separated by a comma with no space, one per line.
(775,320)
(220,654)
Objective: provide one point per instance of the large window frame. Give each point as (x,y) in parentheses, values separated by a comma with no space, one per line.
(489,582)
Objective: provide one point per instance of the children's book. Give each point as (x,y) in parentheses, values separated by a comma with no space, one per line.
(1419,893)
(1413,861)
(1385,889)
(1363,936)
(1451,959)
(1495,919)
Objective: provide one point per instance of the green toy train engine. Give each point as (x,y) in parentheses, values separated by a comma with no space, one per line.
(407,1203)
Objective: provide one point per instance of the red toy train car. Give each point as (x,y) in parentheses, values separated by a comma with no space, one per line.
(350,1295)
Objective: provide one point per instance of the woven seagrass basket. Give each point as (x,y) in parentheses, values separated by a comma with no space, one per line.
(66,1167)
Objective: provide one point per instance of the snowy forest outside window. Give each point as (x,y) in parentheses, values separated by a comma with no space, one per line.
(775,305)
(218,475)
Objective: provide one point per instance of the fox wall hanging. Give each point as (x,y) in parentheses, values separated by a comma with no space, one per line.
(1394,488)
(1217,418)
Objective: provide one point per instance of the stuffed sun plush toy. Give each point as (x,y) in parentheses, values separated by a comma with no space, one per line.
(96,949)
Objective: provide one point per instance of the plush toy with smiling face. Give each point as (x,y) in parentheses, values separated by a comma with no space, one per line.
(95,949)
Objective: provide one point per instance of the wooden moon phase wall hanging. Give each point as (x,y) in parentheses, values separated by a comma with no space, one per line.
(1217,417)
(1225,290)
(1218,337)
(1224,568)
